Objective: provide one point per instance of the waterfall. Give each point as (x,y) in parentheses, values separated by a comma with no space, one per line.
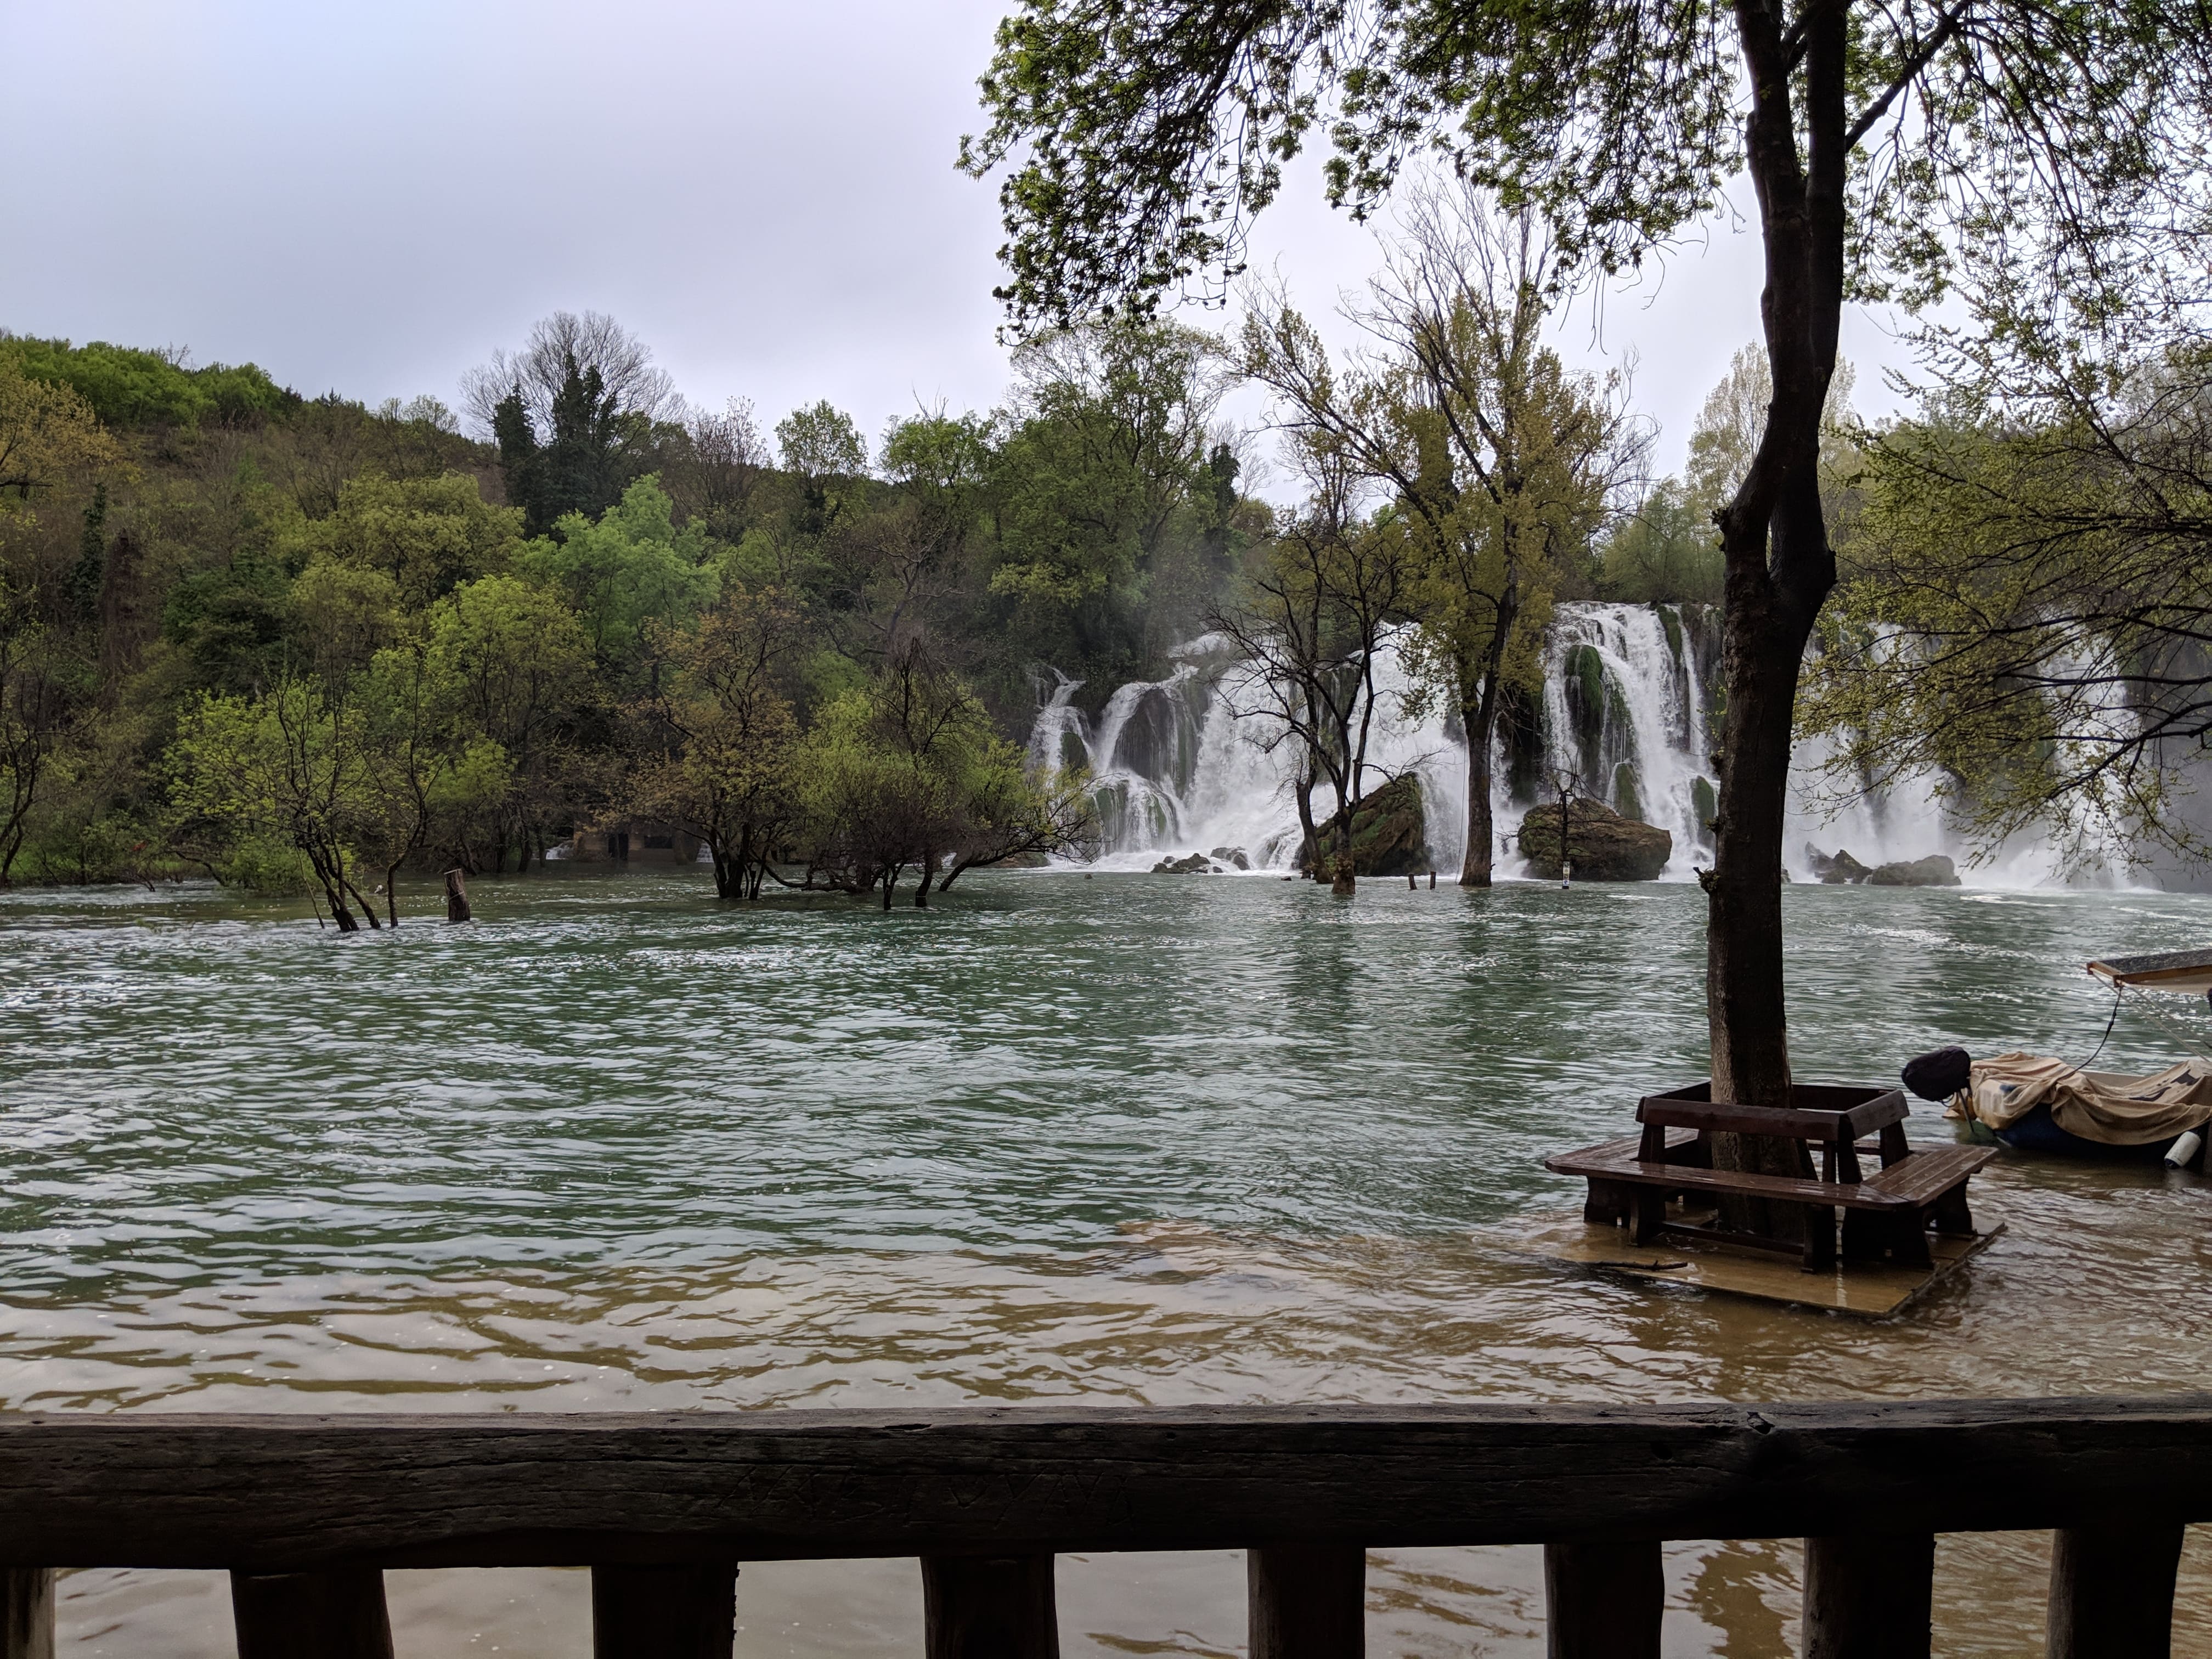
(1625,714)
(1625,709)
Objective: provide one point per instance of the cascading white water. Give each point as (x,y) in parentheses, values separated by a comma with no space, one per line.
(1625,710)
(1175,767)
(1624,715)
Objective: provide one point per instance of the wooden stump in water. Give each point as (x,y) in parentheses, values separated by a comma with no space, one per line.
(457,898)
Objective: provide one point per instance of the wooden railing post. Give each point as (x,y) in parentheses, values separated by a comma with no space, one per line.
(27,1612)
(334,1614)
(989,1607)
(1867,1596)
(1307,1602)
(1603,1601)
(2112,1591)
(664,1613)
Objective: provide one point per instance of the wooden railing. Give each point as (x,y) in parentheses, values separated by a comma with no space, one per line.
(306,1511)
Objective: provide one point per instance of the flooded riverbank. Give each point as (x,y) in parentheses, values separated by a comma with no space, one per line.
(1124,1139)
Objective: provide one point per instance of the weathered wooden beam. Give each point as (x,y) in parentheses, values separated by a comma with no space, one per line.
(989,1607)
(338,1613)
(664,1613)
(1603,1601)
(2111,1591)
(27,1612)
(157,1490)
(1867,1596)
(1307,1602)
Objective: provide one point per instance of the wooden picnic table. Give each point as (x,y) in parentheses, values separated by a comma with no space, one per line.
(1886,1214)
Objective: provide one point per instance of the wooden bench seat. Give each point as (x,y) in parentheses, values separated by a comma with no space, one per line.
(1913,1182)
(1886,1213)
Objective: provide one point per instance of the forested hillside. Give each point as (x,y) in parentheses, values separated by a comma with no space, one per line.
(292,640)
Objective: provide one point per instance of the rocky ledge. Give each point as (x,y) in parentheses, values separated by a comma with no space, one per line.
(1601,845)
(1389,833)
(1844,870)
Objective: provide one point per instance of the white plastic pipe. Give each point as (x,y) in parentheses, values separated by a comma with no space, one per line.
(2178,1154)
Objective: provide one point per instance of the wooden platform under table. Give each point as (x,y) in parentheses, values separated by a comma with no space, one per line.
(1656,1183)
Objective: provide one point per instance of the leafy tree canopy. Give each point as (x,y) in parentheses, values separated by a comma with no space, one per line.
(1139,136)
(127,386)
(630,566)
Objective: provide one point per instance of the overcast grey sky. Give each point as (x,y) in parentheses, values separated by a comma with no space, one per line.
(373,198)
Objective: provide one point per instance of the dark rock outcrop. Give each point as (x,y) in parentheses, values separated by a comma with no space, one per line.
(1191,863)
(1933,870)
(1601,845)
(1389,834)
(1838,870)
(1231,856)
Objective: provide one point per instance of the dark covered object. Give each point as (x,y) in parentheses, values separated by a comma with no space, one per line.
(1939,1073)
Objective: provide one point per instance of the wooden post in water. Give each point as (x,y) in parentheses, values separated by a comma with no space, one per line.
(664,1613)
(27,1612)
(1307,1602)
(457,897)
(1603,1601)
(1867,1596)
(338,1614)
(988,1606)
(2112,1591)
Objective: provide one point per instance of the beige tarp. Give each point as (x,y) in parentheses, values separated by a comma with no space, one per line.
(2101,1106)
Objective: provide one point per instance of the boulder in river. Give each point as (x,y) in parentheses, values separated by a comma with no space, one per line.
(1933,870)
(1840,869)
(1389,833)
(1601,845)
(1191,863)
(1231,856)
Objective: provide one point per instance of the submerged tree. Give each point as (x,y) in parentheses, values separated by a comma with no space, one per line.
(1502,462)
(1315,616)
(2026,619)
(1881,141)
(730,773)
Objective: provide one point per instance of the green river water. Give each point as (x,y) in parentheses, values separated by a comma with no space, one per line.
(1127,1139)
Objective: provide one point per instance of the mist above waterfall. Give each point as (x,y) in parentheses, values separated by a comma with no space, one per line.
(1626,711)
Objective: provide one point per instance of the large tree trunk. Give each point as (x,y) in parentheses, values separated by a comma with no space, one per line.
(1479,715)
(1780,568)
(1343,883)
(1482,730)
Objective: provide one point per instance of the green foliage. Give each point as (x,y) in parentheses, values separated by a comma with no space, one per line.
(320,642)
(129,387)
(1664,552)
(821,442)
(1140,138)
(2022,619)
(428,535)
(1103,477)
(631,567)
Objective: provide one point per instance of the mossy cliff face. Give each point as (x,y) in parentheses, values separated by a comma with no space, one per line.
(1389,833)
(1601,845)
